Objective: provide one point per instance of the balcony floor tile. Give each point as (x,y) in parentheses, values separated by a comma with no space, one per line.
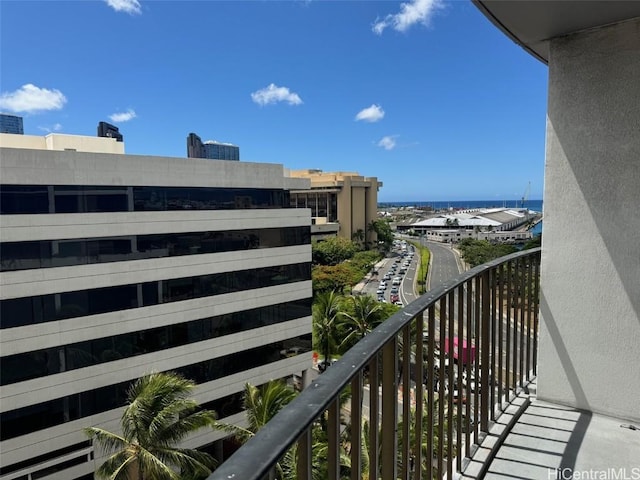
(548,437)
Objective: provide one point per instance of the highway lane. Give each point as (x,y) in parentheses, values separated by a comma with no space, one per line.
(444,263)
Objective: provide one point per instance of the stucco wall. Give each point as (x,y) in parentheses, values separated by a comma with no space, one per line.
(590,304)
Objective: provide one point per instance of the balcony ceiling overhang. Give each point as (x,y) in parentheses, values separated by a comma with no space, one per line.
(532,23)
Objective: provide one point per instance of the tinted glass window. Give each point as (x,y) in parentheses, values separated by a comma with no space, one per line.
(57,253)
(72,407)
(40,363)
(46,308)
(23,199)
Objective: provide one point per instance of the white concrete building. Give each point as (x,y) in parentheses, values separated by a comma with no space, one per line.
(116,265)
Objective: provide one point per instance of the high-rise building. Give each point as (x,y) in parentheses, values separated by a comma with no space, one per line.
(211,149)
(341,203)
(109,131)
(113,266)
(11,124)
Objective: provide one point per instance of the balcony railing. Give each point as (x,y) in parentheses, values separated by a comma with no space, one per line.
(424,387)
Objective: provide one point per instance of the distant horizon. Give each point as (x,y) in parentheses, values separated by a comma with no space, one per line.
(461,201)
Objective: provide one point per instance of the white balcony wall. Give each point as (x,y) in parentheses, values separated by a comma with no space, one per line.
(590,303)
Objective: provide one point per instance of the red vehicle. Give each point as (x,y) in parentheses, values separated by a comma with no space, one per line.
(465,353)
(394,297)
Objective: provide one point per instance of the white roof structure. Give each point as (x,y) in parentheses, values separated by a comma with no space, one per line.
(485,217)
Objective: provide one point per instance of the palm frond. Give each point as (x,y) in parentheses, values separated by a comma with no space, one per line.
(107,441)
(117,466)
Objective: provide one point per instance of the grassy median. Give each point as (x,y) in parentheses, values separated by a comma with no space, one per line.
(423,269)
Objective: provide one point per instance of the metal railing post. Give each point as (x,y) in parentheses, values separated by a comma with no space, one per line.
(389,435)
(485,346)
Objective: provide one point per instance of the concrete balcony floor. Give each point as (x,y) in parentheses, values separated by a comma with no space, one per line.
(549,441)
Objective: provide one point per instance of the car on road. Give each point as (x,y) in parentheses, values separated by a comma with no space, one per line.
(394,297)
(380,292)
(396,281)
(382,286)
(387,276)
(395,290)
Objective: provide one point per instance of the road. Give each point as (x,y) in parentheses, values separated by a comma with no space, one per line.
(444,263)
(406,289)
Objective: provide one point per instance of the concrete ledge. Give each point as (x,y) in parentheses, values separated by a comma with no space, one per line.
(477,466)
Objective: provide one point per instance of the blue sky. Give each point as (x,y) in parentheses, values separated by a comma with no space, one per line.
(426,95)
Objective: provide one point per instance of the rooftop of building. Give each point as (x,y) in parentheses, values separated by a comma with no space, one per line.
(62,142)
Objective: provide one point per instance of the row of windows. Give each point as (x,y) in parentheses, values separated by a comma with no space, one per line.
(30,199)
(49,361)
(4,469)
(59,253)
(322,204)
(17,312)
(30,419)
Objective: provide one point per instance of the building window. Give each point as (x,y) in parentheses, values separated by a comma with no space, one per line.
(49,361)
(80,251)
(30,419)
(19,312)
(35,199)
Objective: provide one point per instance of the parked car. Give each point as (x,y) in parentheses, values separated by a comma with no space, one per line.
(394,290)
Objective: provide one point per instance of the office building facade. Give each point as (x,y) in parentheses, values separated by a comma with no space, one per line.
(341,203)
(210,149)
(11,124)
(116,265)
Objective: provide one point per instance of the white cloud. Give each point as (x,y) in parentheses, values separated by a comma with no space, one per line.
(274,94)
(131,7)
(31,99)
(411,13)
(370,114)
(123,116)
(56,127)
(388,142)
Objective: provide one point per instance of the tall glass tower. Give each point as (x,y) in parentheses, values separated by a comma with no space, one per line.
(11,124)
(211,149)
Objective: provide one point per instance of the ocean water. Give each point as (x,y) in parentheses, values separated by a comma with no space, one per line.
(535,205)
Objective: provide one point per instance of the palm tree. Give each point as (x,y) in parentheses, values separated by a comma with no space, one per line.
(159,414)
(325,313)
(422,442)
(261,404)
(365,315)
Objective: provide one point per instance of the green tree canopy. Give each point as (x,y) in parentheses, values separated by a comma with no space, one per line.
(534,242)
(333,250)
(337,277)
(477,252)
(383,232)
